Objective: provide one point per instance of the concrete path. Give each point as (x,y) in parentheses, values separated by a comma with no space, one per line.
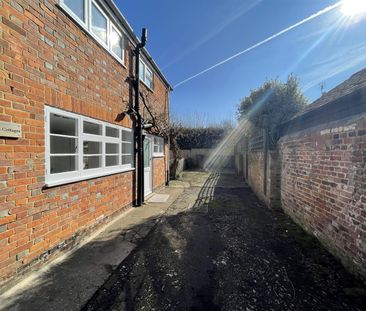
(70,281)
(219,248)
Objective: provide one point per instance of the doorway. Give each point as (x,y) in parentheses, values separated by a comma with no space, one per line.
(147,165)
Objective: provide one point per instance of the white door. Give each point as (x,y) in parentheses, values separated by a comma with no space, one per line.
(147,165)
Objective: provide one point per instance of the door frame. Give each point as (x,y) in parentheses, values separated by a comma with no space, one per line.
(150,138)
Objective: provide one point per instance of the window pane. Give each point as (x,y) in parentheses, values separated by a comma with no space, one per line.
(142,71)
(111,160)
(126,148)
(149,83)
(92,162)
(77,7)
(149,78)
(63,125)
(147,156)
(92,147)
(111,148)
(92,128)
(127,136)
(149,75)
(161,145)
(156,148)
(126,159)
(116,43)
(63,145)
(99,24)
(63,164)
(111,132)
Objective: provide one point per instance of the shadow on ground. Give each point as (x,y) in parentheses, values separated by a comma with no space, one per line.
(219,248)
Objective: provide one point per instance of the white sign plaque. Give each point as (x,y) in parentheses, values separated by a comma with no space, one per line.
(8,129)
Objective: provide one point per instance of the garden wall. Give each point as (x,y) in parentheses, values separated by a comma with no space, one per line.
(261,169)
(318,174)
(323,186)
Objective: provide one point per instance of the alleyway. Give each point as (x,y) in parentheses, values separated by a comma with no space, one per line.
(219,248)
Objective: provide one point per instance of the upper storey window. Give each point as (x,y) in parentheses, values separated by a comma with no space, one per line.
(146,75)
(77,7)
(99,23)
(95,20)
(116,42)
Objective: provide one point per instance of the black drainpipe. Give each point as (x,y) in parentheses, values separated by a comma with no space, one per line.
(138,130)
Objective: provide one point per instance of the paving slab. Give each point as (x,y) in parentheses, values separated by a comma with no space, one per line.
(158,198)
(70,281)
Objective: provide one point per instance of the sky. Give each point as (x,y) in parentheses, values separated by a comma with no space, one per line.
(186,37)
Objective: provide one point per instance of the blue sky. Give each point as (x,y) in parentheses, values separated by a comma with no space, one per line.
(188,36)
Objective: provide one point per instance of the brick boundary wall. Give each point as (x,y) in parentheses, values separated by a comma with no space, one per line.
(323,186)
(250,164)
(318,176)
(255,173)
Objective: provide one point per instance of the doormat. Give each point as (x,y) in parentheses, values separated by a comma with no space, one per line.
(158,198)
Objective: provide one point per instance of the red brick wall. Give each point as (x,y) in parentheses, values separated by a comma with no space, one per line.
(159,172)
(45,58)
(255,172)
(324,189)
(256,176)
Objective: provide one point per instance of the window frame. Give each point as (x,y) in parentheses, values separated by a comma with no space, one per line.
(131,143)
(112,26)
(80,173)
(144,80)
(87,25)
(73,15)
(90,17)
(68,174)
(159,153)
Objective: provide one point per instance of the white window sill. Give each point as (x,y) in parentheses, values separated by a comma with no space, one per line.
(158,155)
(83,178)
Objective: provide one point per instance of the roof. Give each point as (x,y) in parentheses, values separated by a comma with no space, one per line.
(135,39)
(355,82)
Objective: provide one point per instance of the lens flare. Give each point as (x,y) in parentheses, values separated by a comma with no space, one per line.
(353,7)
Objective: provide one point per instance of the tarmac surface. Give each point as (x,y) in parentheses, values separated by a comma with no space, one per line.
(217,247)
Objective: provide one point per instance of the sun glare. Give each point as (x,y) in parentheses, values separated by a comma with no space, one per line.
(353,7)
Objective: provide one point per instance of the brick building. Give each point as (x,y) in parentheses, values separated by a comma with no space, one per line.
(66,83)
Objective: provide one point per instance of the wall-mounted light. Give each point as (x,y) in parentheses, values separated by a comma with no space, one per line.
(147,126)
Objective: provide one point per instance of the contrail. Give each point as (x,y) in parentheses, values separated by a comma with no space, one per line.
(321,12)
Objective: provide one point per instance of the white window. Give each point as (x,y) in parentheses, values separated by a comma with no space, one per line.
(146,75)
(99,23)
(63,138)
(127,145)
(94,20)
(113,147)
(158,146)
(79,148)
(116,42)
(76,8)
